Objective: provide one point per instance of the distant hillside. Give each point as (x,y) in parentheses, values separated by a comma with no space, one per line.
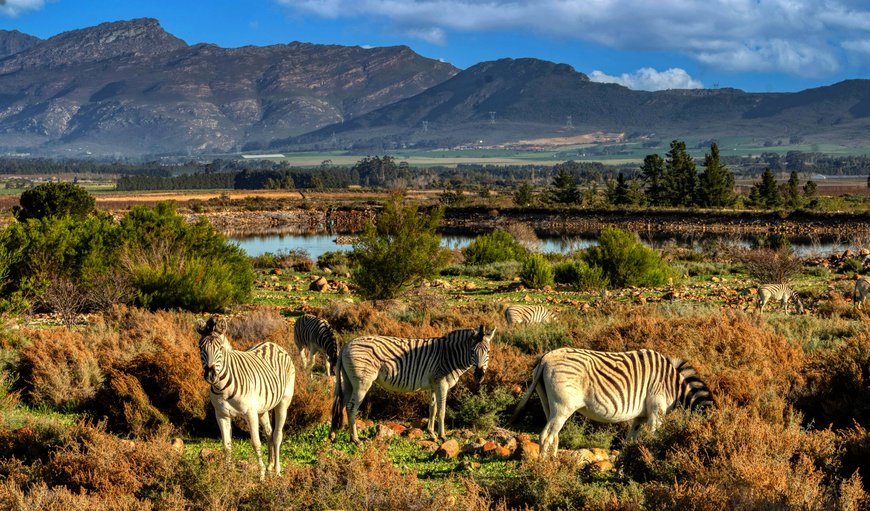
(510,100)
(129,88)
(13,41)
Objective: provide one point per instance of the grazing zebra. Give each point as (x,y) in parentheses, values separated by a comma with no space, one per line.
(862,291)
(611,387)
(780,293)
(529,314)
(249,384)
(407,365)
(314,335)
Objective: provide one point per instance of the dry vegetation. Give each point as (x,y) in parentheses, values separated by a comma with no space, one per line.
(88,419)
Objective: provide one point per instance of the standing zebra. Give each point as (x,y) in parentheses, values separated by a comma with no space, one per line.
(407,365)
(250,384)
(778,292)
(529,314)
(862,291)
(314,335)
(611,387)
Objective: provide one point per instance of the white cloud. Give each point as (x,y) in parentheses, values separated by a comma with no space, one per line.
(14,8)
(800,37)
(647,78)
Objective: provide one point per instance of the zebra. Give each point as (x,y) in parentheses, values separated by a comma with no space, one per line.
(249,384)
(314,335)
(611,387)
(777,292)
(529,314)
(407,365)
(862,291)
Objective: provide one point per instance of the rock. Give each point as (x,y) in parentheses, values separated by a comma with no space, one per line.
(470,449)
(585,456)
(448,450)
(385,432)
(207,455)
(547,289)
(502,452)
(470,286)
(319,284)
(277,271)
(414,433)
(420,423)
(327,271)
(864,252)
(511,445)
(527,450)
(488,448)
(600,454)
(274,278)
(469,466)
(428,445)
(178,445)
(397,428)
(603,466)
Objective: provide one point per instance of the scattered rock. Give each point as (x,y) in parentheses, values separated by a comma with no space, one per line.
(547,289)
(470,449)
(527,450)
(414,433)
(603,466)
(448,450)
(207,455)
(277,271)
(320,285)
(428,445)
(488,448)
(511,445)
(178,445)
(469,466)
(470,286)
(385,432)
(274,278)
(502,452)
(396,428)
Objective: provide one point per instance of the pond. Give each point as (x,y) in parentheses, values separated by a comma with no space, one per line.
(317,244)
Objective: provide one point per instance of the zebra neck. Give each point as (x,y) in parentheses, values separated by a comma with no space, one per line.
(224,378)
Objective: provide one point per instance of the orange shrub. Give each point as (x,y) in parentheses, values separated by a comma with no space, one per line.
(60,368)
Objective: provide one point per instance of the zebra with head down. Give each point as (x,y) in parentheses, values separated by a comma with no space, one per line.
(639,386)
(247,384)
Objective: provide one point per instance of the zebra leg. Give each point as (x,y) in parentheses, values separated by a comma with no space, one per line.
(353,404)
(634,430)
(278,436)
(312,354)
(266,426)
(254,426)
(550,435)
(225,425)
(441,405)
(545,401)
(303,354)
(430,426)
(328,367)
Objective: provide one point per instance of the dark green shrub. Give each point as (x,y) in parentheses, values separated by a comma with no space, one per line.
(333,260)
(397,250)
(483,410)
(494,247)
(54,199)
(536,272)
(176,264)
(625,261)
(580,275)
(851,265)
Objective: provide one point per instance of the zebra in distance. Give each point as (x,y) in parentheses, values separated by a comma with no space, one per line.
(247,384)
(528,314)
(780,293)
(862,291)
(611,387)
(314,335)
(407,365)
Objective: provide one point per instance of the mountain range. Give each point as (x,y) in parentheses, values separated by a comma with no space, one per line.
(129,88)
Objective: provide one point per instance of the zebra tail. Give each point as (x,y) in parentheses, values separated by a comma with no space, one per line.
(337,399)
(536,377)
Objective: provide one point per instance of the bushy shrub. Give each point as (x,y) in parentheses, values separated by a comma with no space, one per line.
(397,250)
(483,410)
(54,199)
(625,261)
(770,266)
(851,265)
(60,369)
(333,260)
(536,272)
(494,247)
(580,275)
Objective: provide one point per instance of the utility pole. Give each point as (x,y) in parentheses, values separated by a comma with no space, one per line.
(492,117)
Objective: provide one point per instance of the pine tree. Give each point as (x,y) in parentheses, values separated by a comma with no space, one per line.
(680,178)
(652,173)
(716,183)
(810,189)
(524,195)
(621,193)
(765,193)
(564,189)
(791,195)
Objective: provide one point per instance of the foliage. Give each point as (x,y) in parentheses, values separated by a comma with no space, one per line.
(765,194)
(716,183)
(54,199)
(653,174)
(580,275)
(333,260)
(620,193)
(564,188)
(452,197)
(397,250)
(524,195)
(625,261)
(494,247)
(768,266)
(536,272)
(680,177)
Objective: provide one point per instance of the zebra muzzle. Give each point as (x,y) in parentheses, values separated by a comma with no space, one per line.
(479,374)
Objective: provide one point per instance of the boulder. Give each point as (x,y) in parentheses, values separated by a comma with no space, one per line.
(397,428)
(414,433)
(603,466)
(320,284)
(178,445)
(385,432)
(448,450)
(527,450)
(489,448)
(428,445)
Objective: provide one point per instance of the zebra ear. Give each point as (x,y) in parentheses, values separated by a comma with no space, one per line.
(220,326)
(201,328)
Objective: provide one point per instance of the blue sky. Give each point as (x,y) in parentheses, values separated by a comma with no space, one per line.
(755,45)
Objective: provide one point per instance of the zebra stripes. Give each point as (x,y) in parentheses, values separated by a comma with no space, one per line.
(529,314)
(611,387)
(249,384)
(862,291)
(778,292)
(314,335)
(407,365)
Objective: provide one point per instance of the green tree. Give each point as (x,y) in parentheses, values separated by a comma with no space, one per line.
(620,193)
(536,272)
(397,250)
(625,261)
(765,194)
(681,178)
(54,199)
(716,183)
(494,247)
(810,190)
(564,189)
(524,195)
(653,174)
(791,193)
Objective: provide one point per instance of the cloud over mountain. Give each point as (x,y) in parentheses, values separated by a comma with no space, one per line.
(647,78)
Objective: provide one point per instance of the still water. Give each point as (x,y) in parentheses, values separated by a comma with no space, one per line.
(317,244)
